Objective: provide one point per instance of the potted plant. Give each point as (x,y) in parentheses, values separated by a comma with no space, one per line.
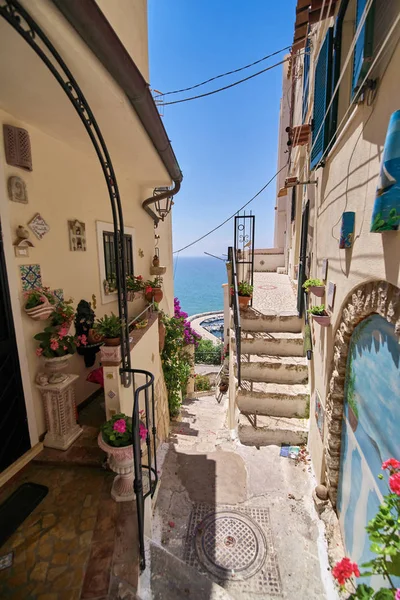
(245,293)
(115,438)
(153,291)
(320,315)
(63,314)
(315,286)
(39,303)
(56,347)
(109,327)
(134,286)
(84,323)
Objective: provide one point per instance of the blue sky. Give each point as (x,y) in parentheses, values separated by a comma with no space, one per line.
(226,144)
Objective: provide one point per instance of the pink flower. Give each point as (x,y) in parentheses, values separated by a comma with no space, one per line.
(83,340)
(54,344)
(394,483)
(397,596)
(344,570)
(63,332)
(148,289)
(65,347)
(142,431)
(392,463)
(120,426)
(39,351)
(42,298)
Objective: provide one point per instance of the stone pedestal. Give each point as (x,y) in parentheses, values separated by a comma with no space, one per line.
(60,413)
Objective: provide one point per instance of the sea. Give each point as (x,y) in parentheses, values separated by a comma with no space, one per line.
(198,281)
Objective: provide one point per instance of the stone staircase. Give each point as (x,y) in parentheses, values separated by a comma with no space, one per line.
(273,398)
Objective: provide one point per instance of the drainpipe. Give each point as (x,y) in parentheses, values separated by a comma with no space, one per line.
(153,199)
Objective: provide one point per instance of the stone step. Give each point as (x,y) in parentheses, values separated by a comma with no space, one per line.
(274,369)
(273,399)
(273,431)
(252,320)
(166,577)
(274,344)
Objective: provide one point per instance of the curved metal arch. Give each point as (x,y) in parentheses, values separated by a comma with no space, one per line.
(26,26)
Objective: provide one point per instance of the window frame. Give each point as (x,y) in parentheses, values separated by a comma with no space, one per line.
(102,228)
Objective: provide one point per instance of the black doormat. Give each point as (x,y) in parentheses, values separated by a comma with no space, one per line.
(18,507)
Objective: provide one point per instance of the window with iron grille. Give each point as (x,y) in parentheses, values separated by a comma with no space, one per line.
(109,255)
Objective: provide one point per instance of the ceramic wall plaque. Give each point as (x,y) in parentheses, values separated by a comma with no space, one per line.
(17,191)
(347,230)
(319,414)
(324,269)
(386,213)
(39,226)
(31,277)
(77,236)
(331,295)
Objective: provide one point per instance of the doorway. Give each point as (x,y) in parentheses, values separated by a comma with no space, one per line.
(14,433)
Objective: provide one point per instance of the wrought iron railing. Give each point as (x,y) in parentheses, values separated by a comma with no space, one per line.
(243,245)
(236,311)
(307,325)
(143,486)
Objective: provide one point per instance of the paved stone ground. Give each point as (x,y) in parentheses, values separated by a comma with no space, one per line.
(273,292)
(201,464)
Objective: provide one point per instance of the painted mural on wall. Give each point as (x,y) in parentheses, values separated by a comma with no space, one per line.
(386,213)
(370,430)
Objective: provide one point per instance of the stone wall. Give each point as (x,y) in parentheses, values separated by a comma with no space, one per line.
(378,297)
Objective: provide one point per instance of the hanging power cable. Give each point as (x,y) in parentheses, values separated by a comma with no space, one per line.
(227,86)
(256,62)
(235,213)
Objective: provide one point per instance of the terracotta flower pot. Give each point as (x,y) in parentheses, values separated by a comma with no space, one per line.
(244,301)
(41,312)
(323,320)
(131,295)
(223,388)
(155,295)
(317,290)
(112,341)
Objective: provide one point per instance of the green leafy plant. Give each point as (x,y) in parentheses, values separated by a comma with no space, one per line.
(154,283)
(63,314)
(379,223)
(245,289)
(202,383)
(38,296)
(55,342)
(383,532)
(135,284)
(117,431)
(312,283)
(317,310)
(109,326)
(208,353)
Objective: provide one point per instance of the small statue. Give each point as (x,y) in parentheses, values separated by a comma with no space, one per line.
(156,261)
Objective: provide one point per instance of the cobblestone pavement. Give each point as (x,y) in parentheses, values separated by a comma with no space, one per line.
(273,292)
(204,469)
(78,543)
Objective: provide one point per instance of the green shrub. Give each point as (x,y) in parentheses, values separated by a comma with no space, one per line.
(208,353)
(312,283)
(202,383)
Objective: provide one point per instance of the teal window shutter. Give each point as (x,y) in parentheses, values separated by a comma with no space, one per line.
(306,79)
(322,96)
(364,46)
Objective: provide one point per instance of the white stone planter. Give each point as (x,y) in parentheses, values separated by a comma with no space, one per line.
(121,462)
(55,366)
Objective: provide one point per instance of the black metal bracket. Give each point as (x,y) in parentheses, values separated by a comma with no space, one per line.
(26,26)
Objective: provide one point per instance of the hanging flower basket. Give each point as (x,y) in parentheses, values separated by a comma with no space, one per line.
(317,290)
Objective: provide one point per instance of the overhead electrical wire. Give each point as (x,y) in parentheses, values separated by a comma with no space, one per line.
(233,215)
(256,62)
(225,87)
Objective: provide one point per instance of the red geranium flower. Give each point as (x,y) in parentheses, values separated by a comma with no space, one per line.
(394,483)
(344,570)
(392,463)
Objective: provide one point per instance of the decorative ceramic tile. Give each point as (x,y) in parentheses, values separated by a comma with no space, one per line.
(59,294)
(324,269)
(31,277)
(319,414)
(347,230)
(111,394)
(17,190)
(331,294)
(39,226)
(77,236)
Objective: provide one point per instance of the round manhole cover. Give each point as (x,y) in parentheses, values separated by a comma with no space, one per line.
(230,545)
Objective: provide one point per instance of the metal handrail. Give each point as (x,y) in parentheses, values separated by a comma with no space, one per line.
(236,312)
(150,306)
(148,389)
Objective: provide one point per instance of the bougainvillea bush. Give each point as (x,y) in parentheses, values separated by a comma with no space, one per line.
(175,357)
(383,531)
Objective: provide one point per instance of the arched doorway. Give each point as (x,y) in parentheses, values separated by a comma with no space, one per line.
(371,414)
